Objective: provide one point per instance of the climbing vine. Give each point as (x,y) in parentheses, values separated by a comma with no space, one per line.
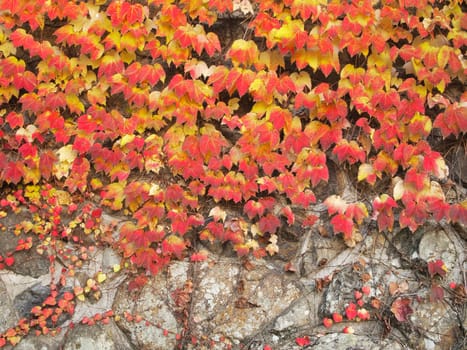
(154,110)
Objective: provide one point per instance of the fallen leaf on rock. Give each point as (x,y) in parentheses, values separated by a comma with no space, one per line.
(302,341)
(401,309)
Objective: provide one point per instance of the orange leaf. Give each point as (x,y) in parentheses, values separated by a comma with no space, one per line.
(173,245)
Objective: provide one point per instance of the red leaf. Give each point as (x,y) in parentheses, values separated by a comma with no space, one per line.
(383,206)
(351,311)
(342,224)
(253,208)
(287,212)
(138,282)
(15,119)
(46,162)
(199,256)
(309,220)
(269,223)
(436,293)
(13,172)
(401,309)
(327,322)
(9,260)
(303,341)
(173,245)
(349,151)
(337,317)
(363,314)
(437,267)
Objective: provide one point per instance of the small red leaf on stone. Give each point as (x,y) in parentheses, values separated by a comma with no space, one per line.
(327,322)
(10,260)
(302,341)
(401,309)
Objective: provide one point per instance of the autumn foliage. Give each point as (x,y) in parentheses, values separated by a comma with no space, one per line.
(144,107)
(136,104)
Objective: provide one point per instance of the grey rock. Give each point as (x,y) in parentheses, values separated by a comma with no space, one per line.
(154,304)
(339,341)
(35,296)
(8,315)
(97,337)
(26,262)
(237,303)
(438,325)
(42,342)
(31,297)
(437,243)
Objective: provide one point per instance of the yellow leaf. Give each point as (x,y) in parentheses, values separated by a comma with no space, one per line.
(365,171)
(272,59)
(63,197)
(101,277)
(96,184)
(305,58)
(301,80)
(399,188)
(218,214)
(74,104)
(66,154)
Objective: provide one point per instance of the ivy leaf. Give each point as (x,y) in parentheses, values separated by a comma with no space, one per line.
(13,172)
(383,206)
(401,309)
(173,245)
(113,195)
(253,208)
(349,151)
(15,120)
(303,341)
(342,224)
(269,223)
(335,204)
(436,293)
(243,52)
(437,267)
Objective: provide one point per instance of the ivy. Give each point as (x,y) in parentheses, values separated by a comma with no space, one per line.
(147,108)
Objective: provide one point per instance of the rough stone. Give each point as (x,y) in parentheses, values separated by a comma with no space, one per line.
(436,244)
(98,336)
(154,304)
(42,342)
(256,303)
(28,262)
(29,298)
(336,341)
(438,325)
(237,303)
(8,315)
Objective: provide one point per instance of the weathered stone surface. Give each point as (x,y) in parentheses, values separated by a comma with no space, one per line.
(252,304)
(438,326)
(29,298)
(28,262)
(303,313)
(8,316)
(155,305)
(43,342)
(35,296)
(336,341)
(436,244)
(340,292)
(236,303)
(98,336)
